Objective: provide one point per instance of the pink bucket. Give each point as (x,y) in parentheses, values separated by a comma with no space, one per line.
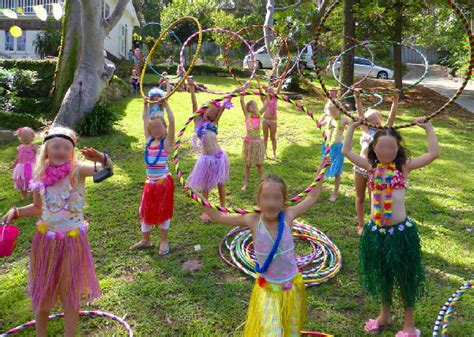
(8,236)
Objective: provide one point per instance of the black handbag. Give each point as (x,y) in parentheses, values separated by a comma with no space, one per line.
(107,172)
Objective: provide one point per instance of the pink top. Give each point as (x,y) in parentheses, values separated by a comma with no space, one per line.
(26,154)
(398,180)
(272,106)
(283,267)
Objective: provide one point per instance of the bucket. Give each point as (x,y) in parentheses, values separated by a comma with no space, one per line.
(8,236)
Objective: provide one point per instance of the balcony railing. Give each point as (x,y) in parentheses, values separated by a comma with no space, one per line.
(27,5)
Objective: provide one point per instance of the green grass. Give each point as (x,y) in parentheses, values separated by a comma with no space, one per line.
(159,298)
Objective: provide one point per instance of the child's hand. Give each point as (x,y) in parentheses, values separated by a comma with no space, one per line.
(333,92)
(356,122)
(357,92)
(92,154)
(396,96)
(145,100)
(423,122)
(9,216)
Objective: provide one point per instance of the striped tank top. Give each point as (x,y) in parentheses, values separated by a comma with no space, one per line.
(156,168)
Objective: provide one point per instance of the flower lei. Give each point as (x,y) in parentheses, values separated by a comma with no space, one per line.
(383,218)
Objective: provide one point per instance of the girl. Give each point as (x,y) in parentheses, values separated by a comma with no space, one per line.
(156,206)
(212,167)
(278,303)
(253,151)
(61,266)
(361,175)
(390,252)
(269,124)
(334,130)
(134,80)
(154,108)
(25,161)
(137,60)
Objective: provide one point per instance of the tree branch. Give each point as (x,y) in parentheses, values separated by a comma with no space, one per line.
(110,22)
(278,9)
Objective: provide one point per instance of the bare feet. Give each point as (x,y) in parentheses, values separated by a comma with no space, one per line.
(141,244)
(164,248)
(205,218)
(360,229)
(244,188)
(333,197)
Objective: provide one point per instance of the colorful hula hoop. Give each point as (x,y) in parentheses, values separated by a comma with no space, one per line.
(196,197)
(81,313)
(158,41)
(457,11)
(381,43)
(321,265)
(234,35)
(277,34)
(442,321)
(315,333)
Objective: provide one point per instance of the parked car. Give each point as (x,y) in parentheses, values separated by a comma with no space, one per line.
(362,66)
(265,62)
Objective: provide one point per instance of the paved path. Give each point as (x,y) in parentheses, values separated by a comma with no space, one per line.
(437,80)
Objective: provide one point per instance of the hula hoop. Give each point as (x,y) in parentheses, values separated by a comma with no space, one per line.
(277,34)
(467,76)
(81,313)
(317,267)
(447,311)
(221,30)
(315,333)
(150,54)
(208,204)
(381,43)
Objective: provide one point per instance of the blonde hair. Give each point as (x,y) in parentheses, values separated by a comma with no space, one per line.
(329,104)
(373,112)
(250,103)
(21,131)
(42,156)
(273,178)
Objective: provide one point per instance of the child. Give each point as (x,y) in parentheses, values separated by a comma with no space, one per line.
(61,266)
(360,175)
(25,161)
(151,106)
(278,302)
(253,151)
(390,252)
(135,80)
(156,206)
(137,60)
(334,130)
(212,167)
(269,124)
(164,82)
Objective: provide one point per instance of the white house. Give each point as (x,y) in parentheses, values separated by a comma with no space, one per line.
(117,43)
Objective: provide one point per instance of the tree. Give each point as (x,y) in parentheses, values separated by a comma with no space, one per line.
(82,73)
(347,63)
(47,43)
(397,48)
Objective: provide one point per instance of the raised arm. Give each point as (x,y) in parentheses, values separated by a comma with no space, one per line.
(145,117)
(393,110)
(347,150)
(88,170)
(433,148)
(242,104)
(360,108)
(264,108)
(192,90)
(227,219)
(171,125)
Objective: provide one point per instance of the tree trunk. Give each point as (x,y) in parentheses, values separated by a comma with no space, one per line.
(397,49)
(346,74)
(91,74)
(268,33)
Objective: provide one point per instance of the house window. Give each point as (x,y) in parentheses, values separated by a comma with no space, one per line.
(105,7)
(21,42)
(123,39)
(9,42)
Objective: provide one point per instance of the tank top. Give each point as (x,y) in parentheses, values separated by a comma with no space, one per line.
(158,170)
(283,267)
(26,154)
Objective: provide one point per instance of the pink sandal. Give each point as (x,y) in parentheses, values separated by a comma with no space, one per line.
(373,327)
(408,334)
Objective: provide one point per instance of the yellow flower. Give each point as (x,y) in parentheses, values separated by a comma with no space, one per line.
(42,228)
(74,233)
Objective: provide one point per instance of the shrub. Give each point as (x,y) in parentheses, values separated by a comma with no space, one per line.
(100,120)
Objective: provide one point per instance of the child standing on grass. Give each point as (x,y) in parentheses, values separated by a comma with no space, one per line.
(61,265)
(25,161)
(157,202)
(278,303)
(135,81)
(390,251)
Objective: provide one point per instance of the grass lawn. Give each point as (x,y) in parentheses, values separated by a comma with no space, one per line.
(159,298)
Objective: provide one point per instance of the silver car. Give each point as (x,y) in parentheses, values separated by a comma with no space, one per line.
(265,62)
(362,66)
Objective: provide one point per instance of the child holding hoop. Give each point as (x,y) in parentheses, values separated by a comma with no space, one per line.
(270,123)
(157,202)
(253,151)
(278,302)
(360,174)
(212,167)
(390,250)
(61,265)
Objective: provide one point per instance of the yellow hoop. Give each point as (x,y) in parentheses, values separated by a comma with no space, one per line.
(185,76)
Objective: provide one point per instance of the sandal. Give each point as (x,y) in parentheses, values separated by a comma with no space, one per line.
(205,218)
(373,327)
(164,251)
(141,245)
(408,334)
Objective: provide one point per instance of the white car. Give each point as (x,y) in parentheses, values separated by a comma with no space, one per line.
(265,62)
(362,66)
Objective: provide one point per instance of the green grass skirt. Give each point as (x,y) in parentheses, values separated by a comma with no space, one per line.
(391,257)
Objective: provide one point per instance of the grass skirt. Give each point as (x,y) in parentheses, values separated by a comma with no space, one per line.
(276,312)
(157,201)
(253,151)
(209,171)
(337,158)
(61,265)
(391,257)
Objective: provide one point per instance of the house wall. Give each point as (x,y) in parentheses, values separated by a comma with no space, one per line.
(29,50)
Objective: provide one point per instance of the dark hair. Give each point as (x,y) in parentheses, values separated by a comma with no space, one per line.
(403,154)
